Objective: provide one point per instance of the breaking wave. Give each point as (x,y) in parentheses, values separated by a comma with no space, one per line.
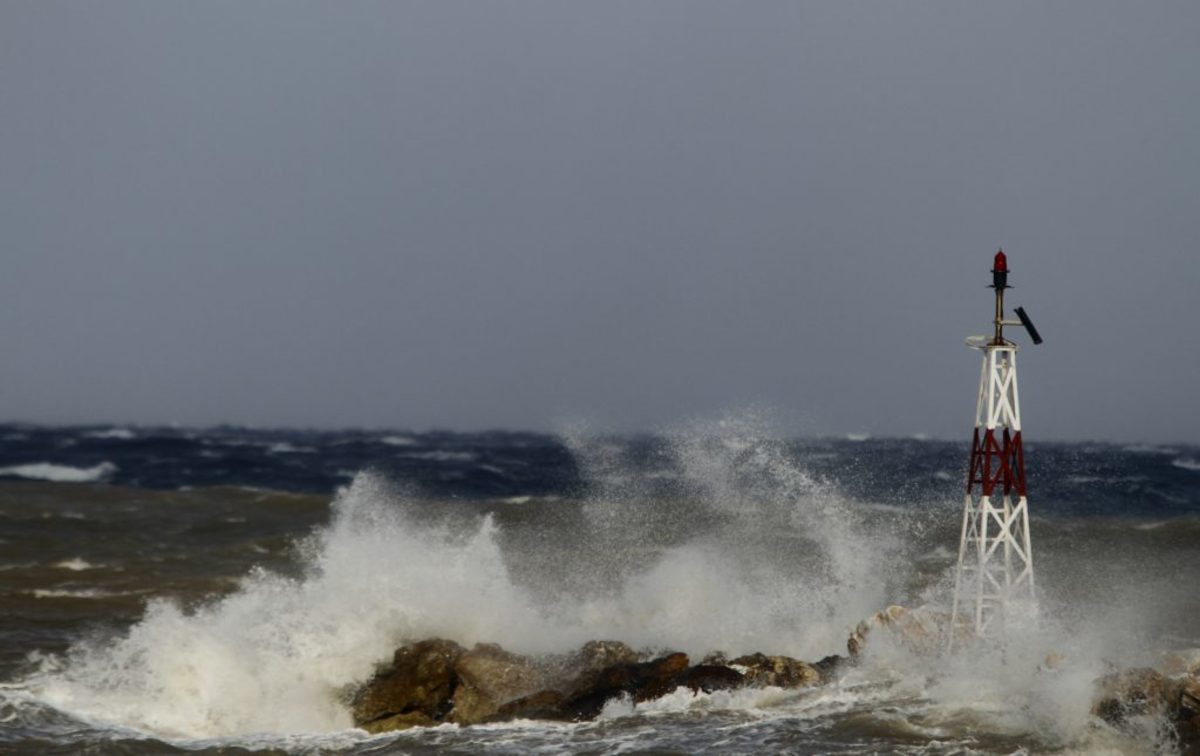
(780,565)
(60,473)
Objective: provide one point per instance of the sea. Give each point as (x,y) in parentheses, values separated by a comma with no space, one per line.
(171,590)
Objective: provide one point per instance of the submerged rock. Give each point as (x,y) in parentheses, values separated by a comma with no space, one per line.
(641,681)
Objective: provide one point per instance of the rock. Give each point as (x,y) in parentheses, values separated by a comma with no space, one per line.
(570,671)
(1187,724)
(1189,695)
(488,678)
(642,681)
(831,667)
(1188,731)
(777,671)
(716,657)
(1183,662)
(598,655)
(438,681)
(420,679)
(1147,692)
(545,704)
(1053,660)
(657,678)
(398,722)
(1135,692)
(708,678)
(921,630)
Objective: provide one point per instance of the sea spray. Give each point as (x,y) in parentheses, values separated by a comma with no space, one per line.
(390,568)
(788,563)
(277,654)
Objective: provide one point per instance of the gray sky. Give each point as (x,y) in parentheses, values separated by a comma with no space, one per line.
(517,214)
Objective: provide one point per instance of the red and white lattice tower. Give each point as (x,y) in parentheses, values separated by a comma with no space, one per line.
(995,557)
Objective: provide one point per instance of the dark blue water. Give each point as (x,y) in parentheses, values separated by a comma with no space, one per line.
(1064,478)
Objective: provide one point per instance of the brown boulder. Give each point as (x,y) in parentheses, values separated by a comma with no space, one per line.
(579,669)
(420,679)
(831,667)
(777,671)
(1180,662)
(922,630)
(545,704)
(488,678)
(1135,692)
(597,655)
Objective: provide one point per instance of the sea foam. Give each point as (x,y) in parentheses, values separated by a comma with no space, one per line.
(60,473)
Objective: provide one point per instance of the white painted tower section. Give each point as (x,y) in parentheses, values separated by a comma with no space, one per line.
(994,578)
(995,557)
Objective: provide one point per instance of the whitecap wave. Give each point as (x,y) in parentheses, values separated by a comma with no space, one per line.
(398,441)
(1186,463)
(79,593)
(283,447)
(60,473)
(75,564)
(112,434)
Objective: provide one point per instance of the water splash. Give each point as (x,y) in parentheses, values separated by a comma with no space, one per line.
(743,551)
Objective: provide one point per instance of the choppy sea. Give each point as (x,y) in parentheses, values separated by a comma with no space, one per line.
(175,590)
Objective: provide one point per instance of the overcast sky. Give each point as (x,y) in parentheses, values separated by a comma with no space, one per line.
(525,214)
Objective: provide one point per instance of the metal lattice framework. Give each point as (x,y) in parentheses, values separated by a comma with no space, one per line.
(995,558)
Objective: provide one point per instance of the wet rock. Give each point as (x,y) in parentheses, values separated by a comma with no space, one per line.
(597,655)
(1134,692)
(709,678)
(438,681)
(921,630)
(421,679)
(716,657)
(641,681)
(488,678)
(574,670)
(777,671)
(1183,662)
(398,722)
(1189,695)
(831,667)
(545,704)
(1187,720)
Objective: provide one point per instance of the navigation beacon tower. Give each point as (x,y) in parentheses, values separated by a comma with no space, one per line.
(995,558)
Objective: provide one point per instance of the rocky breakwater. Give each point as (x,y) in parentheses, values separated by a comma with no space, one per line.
(1124,698)
(436,681)
(1166,695)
